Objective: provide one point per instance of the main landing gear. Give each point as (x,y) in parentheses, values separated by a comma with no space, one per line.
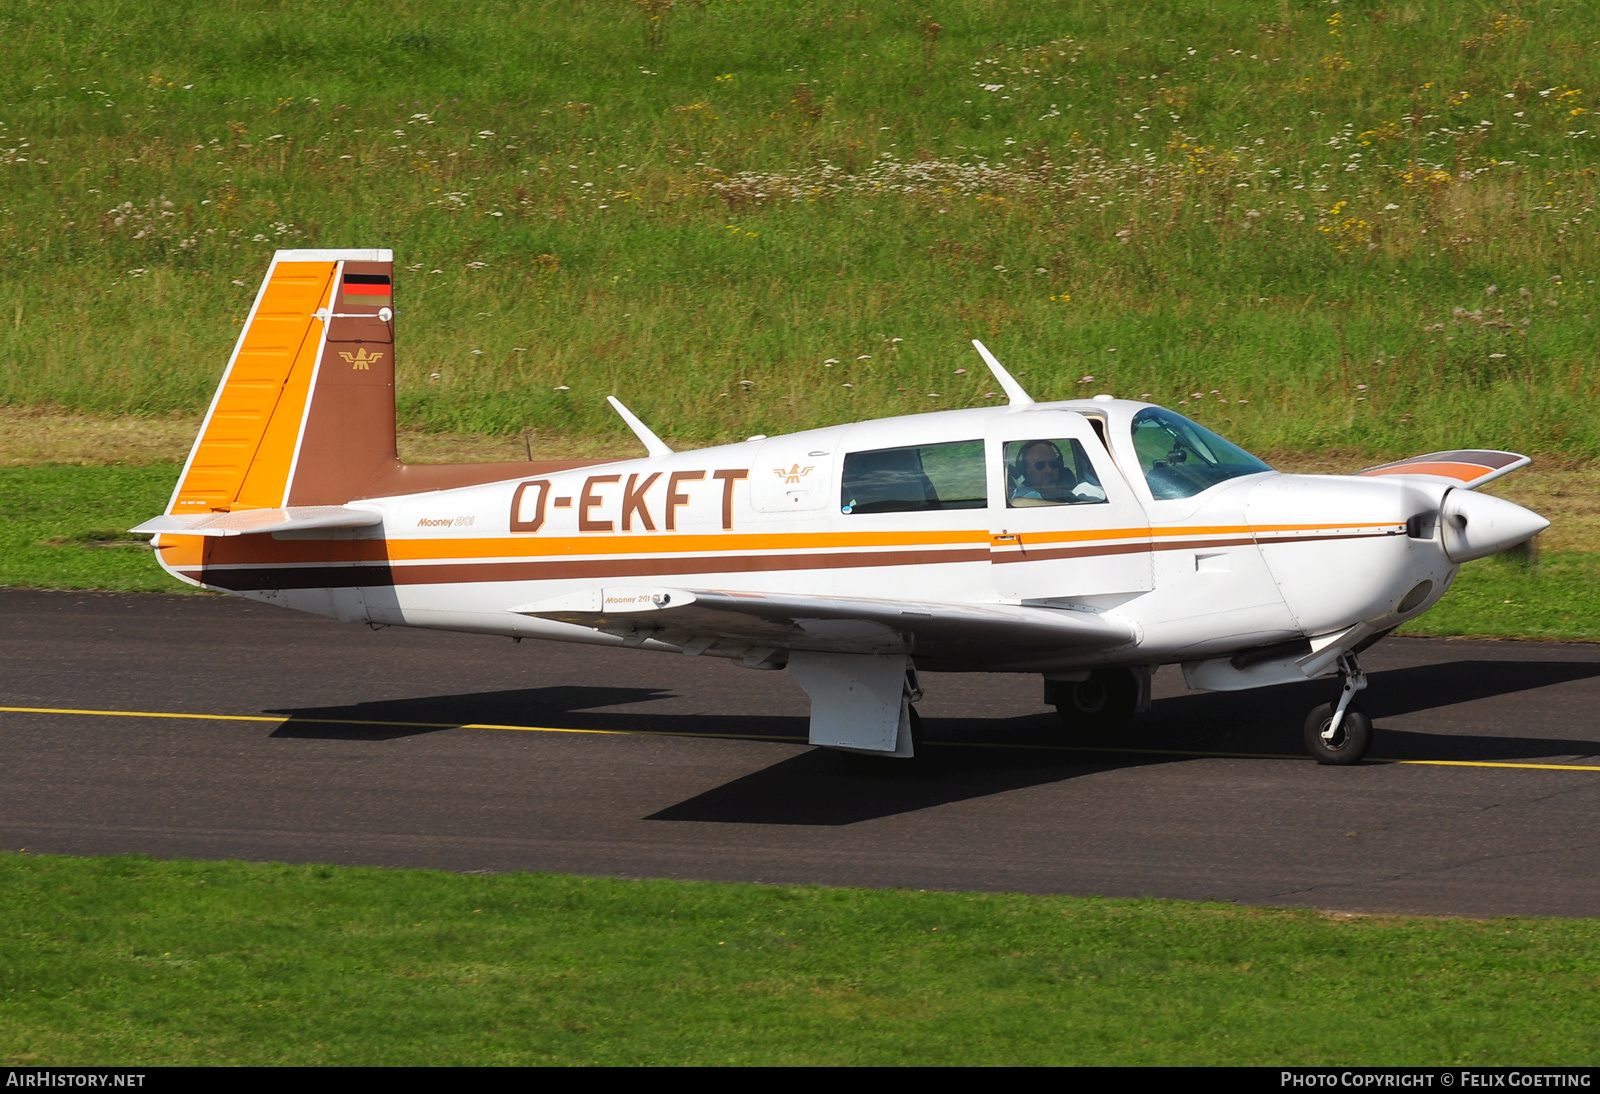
(1104,701)
(1339,733)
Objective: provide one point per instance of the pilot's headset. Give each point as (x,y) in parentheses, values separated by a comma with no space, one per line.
(1019,465)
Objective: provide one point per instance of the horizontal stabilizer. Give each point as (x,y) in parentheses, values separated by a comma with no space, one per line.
(831,624)
(245,522)
(1465,467)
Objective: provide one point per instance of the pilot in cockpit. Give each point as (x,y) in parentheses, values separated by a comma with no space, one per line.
(1040,475)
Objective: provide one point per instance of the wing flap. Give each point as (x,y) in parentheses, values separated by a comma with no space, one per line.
(1469,468)
(831,624)
(246,522)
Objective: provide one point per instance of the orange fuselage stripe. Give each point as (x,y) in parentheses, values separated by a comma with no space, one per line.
(695,551)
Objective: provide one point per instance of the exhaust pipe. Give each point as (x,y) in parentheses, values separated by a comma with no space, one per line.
(1474,525)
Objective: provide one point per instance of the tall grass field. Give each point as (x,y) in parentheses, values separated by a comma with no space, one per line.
(1310,225)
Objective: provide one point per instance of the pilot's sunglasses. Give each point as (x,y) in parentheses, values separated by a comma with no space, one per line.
(1040,465)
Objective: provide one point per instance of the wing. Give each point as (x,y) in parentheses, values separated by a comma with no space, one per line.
(1466,467)
(969,633)
(247,522)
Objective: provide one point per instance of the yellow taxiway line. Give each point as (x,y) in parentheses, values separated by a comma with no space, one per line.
(1197,754)
(286,719)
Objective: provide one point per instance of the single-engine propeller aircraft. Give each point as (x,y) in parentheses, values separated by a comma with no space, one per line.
(1086,541)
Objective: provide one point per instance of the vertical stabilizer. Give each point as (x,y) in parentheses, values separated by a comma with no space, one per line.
(256,428)
(348,439)
(304,415)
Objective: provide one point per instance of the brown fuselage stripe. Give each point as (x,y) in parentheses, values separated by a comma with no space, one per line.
(344,577)
(1025,553)
(1045,554)
(376,575)
(1344,535)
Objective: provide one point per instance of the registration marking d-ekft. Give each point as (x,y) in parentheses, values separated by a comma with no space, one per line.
(1195,754)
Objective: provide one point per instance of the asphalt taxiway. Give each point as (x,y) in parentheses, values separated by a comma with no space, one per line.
(215,728)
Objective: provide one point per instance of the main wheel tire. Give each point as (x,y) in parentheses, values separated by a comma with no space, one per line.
(1348,746)
(1103,703)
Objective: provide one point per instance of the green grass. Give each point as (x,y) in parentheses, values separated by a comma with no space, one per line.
(1284,219)
(1559,597)
(66,527)
(129,961)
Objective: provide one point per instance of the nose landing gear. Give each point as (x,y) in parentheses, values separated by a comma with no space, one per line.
(1339,733)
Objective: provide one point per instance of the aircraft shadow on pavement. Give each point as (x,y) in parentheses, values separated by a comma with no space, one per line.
(1271,720)
(818,788)
(1426,687)
(969,758)
(1434,687)
(825,788)
(395,718)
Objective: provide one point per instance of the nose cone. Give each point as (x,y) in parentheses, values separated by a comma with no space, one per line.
(1474,525)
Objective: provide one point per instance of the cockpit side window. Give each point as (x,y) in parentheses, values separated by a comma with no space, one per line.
(1050,472)
(1098,424)
(915,478)
(1180,459)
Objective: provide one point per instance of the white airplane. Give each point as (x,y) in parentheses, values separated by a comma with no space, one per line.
(1086,541)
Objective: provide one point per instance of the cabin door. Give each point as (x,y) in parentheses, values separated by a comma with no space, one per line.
(1063,523)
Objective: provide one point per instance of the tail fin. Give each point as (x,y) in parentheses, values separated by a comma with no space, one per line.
(305,411)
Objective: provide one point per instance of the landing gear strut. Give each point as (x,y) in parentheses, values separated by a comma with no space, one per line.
(1103,702)
(1339,733)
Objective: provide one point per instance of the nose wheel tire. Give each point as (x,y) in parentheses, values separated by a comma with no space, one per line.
(1103,703)
(1349,742)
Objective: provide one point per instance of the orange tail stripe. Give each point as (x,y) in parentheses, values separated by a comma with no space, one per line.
(242,458)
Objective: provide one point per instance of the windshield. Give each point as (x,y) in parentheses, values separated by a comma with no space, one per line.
(1180,459)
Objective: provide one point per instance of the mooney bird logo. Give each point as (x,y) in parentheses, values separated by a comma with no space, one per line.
(793,475)
(361,359)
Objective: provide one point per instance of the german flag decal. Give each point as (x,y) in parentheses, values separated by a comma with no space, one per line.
(373,290)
